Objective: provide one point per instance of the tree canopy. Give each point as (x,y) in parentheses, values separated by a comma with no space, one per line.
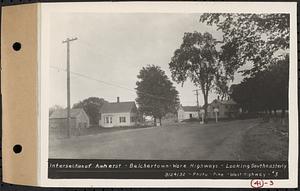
(91,106)
(197,60)
(252,38)
(267,90)
(156,94)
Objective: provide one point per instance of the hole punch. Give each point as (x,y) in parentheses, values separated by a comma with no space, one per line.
(17,148)
(17,46)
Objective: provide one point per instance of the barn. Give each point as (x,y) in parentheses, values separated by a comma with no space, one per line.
(79,119)
(188,112)
(226,109)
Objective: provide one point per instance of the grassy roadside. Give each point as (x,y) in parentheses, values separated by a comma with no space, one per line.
(97,130)
(266,141)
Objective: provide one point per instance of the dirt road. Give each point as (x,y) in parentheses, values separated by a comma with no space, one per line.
(221,141)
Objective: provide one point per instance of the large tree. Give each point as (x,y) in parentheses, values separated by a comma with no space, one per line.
(197,60)
(266,90)
(222,85)
(156,94)
(250,38)
(91,106)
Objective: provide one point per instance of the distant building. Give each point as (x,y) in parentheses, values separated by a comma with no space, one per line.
(79,119)
(227,109)
(188,112)
(118,114)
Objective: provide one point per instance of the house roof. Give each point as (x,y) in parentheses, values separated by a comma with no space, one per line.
(190,108)
(225,102)
(117,107)
(222,102)
(229,102)
(63,113)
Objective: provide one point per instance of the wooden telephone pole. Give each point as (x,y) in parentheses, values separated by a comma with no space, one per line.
(68,40)
(197,95)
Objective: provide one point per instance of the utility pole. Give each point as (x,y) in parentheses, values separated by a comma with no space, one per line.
(197,94)
(68,40)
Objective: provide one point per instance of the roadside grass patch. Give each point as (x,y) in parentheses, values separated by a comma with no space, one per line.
(94,130)
(266,141)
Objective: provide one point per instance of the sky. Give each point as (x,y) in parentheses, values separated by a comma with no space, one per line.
(111,50)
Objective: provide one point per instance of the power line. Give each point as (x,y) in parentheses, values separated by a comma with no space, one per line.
(108,83)
(88,45)
(94,79)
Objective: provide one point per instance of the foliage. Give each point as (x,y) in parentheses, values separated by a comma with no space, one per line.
(54,108)
(252,38)
(197,60)
(221,85)
(91,106)
(156,94)
(267,90)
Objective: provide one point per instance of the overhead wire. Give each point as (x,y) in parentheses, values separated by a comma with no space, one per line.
(107,83)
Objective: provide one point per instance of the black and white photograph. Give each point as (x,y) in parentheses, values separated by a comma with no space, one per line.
(206,86)
(169,86)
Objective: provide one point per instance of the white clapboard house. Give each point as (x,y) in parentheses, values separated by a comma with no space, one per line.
(187,112)
(118,114)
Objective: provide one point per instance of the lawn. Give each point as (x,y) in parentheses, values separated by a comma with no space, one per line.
(94,130)
(266,141)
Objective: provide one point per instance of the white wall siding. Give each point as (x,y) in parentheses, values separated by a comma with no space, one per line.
(182,115)
(115,119)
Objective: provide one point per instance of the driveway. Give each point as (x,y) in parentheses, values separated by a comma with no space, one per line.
(221,141)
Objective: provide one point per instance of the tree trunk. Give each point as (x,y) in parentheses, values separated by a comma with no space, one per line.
(275,113)
(160,121)
(283,116)
(205,97)
(282,113)
(270,112)
(205,107)
(154,121)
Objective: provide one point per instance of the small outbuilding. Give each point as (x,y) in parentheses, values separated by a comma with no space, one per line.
(188,112)
(79,119)
(226,109)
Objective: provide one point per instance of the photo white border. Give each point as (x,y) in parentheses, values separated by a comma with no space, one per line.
(45,9)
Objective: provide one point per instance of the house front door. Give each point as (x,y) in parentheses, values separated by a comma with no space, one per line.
(108,121)
(191,116)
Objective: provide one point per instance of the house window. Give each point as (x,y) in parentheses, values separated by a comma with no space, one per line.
(132,119)
(122,119)
(108,119)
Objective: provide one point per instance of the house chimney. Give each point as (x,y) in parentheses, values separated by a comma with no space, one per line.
(118,99)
